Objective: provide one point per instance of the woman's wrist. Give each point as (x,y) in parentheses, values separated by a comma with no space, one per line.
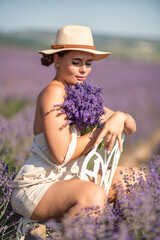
(92,132)
(100,126)
(121,115)
(129,123)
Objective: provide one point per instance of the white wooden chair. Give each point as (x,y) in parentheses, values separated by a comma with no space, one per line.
(107,166)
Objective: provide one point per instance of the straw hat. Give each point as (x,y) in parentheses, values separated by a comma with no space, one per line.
(74,37)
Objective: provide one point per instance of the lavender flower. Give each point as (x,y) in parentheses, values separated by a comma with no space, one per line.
(83,105)
(8,218)
(140,206)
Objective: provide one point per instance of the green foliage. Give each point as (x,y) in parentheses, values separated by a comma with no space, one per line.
(10,107)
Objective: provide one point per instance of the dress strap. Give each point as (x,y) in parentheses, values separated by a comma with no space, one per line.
(35,149)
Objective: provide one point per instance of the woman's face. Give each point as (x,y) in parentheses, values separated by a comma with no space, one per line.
(73,67)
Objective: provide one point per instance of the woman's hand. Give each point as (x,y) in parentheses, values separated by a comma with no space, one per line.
(113,129)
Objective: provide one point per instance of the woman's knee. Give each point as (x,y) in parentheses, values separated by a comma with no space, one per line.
(92,195)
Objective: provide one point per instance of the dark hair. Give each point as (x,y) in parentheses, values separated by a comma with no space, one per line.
(47,59)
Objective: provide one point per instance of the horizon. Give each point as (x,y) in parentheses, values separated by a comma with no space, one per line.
(95,34)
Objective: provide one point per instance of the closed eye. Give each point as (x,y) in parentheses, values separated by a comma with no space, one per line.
(88,63)
(79,61)
(75,63)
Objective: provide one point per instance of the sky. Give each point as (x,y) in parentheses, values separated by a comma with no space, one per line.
(134,18)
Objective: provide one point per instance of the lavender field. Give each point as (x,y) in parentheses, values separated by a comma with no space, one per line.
(129,86)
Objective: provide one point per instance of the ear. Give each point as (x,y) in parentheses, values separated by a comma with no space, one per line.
(56,59)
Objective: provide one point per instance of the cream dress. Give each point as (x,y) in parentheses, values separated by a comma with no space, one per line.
(38,173)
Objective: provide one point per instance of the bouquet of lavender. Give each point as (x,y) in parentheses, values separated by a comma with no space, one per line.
(83,106)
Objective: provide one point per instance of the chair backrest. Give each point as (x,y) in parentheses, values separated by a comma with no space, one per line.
(107,165)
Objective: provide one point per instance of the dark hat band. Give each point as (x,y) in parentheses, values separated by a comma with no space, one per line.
(72,46)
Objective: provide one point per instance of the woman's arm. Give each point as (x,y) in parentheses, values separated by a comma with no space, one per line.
(57,132)
(116,123)
(129,125)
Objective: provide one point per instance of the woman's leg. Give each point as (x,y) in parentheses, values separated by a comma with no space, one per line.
(68,196)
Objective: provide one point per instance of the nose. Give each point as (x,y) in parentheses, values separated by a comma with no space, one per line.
(82,69)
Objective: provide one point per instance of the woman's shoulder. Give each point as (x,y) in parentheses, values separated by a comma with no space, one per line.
(52,90)
(52,94)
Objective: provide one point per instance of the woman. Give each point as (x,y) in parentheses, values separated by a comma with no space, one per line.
(48,185)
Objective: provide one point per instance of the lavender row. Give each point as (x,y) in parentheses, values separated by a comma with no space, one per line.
(16,136)
(23,76)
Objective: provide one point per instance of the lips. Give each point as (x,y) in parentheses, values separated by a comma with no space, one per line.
(80,78)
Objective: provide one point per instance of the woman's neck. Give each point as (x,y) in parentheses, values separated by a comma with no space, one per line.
(58,82)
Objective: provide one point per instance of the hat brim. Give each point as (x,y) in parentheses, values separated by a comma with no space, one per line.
(97,55)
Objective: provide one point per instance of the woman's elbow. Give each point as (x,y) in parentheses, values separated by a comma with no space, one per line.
(131,129)
(134,127)
(58,160)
